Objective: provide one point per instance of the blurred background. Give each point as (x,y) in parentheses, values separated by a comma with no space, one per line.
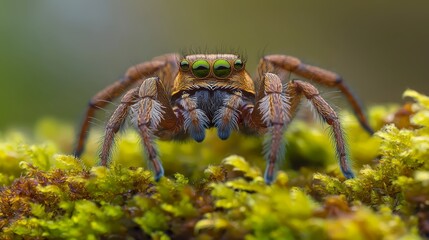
(54,55)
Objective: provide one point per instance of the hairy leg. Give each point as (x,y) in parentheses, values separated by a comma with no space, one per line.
(285,64)
(148,113)
(272,112)
(164,66)
(115,122)
(294,91)
(151,112)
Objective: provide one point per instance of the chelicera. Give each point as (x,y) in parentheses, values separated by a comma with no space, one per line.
(173,97)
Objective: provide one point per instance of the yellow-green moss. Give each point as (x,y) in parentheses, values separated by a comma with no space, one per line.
(209,192)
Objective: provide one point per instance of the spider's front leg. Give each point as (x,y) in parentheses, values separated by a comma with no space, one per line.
(152,112)
(295,89)
(162,66)
(284,64)
(272,112)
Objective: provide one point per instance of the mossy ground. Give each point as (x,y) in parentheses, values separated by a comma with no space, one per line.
(211,193)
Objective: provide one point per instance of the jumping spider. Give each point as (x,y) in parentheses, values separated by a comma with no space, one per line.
(180,97)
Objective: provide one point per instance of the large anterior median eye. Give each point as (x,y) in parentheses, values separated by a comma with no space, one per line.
(221,68)
(201,68)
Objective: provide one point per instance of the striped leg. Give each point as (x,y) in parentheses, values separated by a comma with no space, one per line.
(272,110)
(160,66)
(295,89)
(151,112)
(289,64)
(276,110)
(115,122)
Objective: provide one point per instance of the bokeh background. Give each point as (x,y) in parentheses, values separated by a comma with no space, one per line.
(54,55)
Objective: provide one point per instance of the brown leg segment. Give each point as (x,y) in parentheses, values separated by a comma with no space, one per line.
(132,76)
(291,64)
(115,123)
(271,109)
(149,110)
(150,114)
(295,89)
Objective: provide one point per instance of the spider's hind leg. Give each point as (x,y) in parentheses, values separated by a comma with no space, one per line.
(114,124)
(295,89)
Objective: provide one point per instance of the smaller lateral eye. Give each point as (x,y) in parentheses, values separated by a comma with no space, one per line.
(238,64)
(184,65)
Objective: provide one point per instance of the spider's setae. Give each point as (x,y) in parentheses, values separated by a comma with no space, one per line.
(181,97)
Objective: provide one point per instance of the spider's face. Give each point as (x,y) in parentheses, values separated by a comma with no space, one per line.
(212,71)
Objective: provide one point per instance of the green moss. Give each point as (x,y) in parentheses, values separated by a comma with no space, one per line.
(211,193)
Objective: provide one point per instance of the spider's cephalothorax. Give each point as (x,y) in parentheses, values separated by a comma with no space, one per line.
(219,86)
(187,95)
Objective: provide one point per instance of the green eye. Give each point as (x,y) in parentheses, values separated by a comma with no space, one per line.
(201,68)
(221,68)
(184,65)
(238,64)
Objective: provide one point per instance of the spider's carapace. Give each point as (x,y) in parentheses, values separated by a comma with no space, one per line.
(173,97)
(215,71)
